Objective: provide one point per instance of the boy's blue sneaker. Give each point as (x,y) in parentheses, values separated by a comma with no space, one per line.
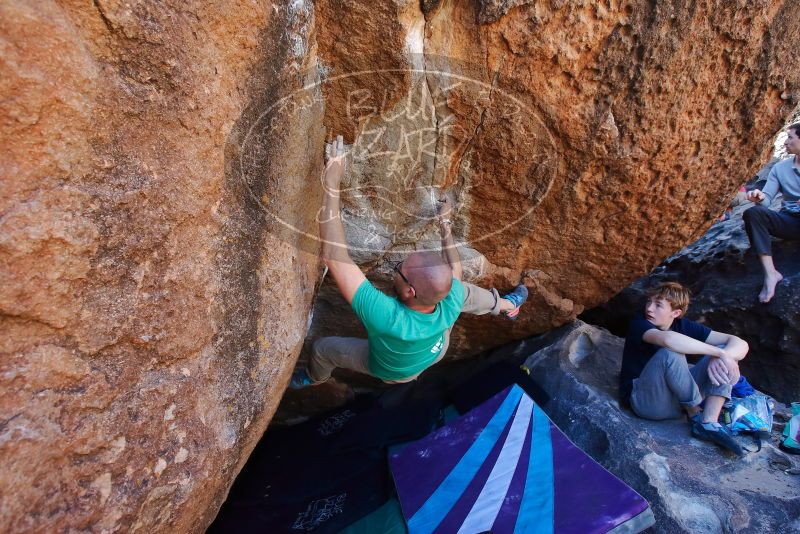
(300,380)
(716,433)
(517,298)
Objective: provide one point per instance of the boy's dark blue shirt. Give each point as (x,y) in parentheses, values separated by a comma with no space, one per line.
(638,352)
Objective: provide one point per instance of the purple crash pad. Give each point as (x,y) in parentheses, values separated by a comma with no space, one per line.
(505,467)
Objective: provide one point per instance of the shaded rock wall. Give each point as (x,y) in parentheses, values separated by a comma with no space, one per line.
(149,317)
(160,182)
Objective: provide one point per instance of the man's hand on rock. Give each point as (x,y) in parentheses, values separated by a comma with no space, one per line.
(445,210)
(335,157)
(756,195)
(445,207)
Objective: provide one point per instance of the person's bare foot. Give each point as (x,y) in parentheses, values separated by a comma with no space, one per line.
(768,291)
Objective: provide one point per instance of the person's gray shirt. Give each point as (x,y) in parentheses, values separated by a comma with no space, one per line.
(784,177)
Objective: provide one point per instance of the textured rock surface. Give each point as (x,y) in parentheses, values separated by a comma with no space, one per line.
(160,181)
(690,484)
(725,282)
(570,133)
(149,318)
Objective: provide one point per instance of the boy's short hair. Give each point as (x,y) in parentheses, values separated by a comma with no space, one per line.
(795,127)
(674,293)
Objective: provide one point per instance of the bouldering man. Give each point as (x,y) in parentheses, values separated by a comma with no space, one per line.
(407,333)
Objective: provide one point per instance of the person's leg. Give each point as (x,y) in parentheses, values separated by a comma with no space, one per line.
(715,396)
(761,223)
(782,226)
(757,225)
(758,222)
(771,278)
(329,353)
(665,388)
(479,301)
(708,428)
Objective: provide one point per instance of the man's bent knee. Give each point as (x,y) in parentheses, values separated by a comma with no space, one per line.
(755,213)
(318,346)
(326,348)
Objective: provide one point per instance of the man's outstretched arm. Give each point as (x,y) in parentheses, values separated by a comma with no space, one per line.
(331,232)
(449,249)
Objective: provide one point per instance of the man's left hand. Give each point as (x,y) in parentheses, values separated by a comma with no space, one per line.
(756,195)
(335,157)
(445,210)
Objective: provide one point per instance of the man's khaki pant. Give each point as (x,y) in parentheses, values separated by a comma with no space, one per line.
(353,352)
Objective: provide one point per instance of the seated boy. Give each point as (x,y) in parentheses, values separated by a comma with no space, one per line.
(656,379)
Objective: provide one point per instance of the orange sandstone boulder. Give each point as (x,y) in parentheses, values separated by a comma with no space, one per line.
(583,142)
(149,316)
(160,184)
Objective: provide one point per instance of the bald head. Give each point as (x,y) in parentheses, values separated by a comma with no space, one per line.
(430,275)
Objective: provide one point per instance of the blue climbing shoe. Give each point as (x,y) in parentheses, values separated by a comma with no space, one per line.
(517,298)
(300,380)
(716,433)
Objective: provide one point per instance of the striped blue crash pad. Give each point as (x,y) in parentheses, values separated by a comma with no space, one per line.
(505,467)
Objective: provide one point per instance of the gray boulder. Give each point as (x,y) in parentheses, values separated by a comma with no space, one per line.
(692,486)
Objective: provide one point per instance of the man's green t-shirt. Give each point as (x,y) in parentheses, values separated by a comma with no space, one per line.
(403,342)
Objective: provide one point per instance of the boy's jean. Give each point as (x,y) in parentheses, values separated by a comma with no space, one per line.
(667,384)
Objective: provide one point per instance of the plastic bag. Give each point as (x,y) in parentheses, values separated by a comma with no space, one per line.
(751,414)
